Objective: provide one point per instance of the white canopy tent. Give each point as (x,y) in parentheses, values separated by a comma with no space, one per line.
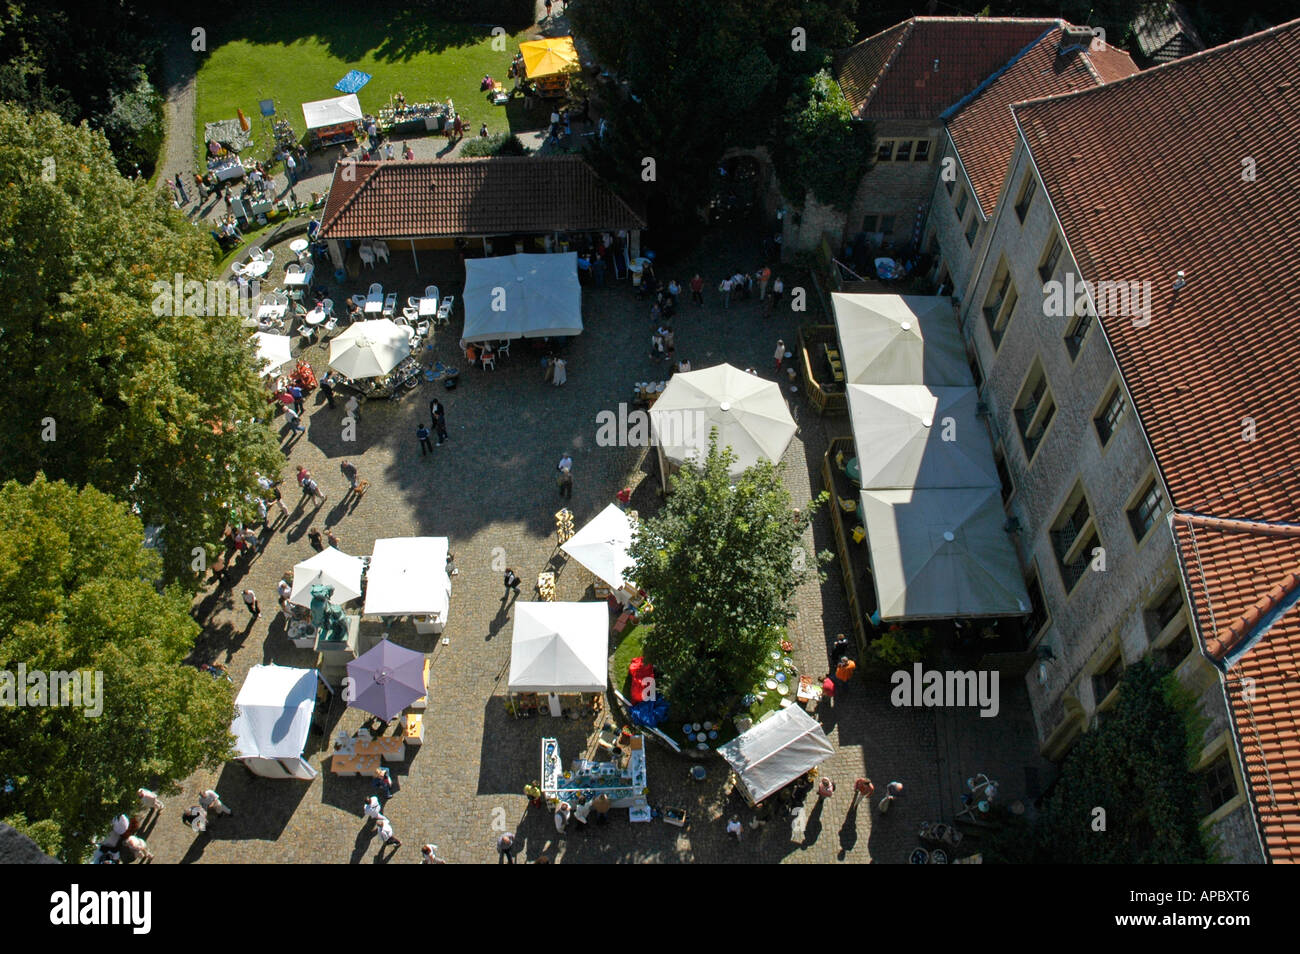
(332,112)
(942,554)
(331,567)
(749,412)
(601,546)
(522,296)
(408,577)
(273,714)
(900,339)
(273,351)
(918,436)
(560,647)
(777,751)
(368,349)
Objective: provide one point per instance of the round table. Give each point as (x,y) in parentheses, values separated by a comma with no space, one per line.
(315,316)
(256,269)
(298,246)
(854,469)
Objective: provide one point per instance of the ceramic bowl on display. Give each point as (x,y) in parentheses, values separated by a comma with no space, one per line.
(701,737)
(771,684)
(780,677)
(783,689)
(787,661)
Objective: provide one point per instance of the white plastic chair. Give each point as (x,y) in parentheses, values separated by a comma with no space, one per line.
(412,302)
(489,362)
(410,314)
(293,268)
(431,291)
(268,257)
(381,251)
(401,321)
(327,304)
(307,331)
(390,305)
(503,348)
(368,257)
(330,325)
(255,253)
(422,328)
(376,289)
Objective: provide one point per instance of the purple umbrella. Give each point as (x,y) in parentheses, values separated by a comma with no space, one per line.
(386,680)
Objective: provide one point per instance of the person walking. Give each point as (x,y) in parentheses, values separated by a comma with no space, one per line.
(862,788)
(211,802)
(352,407)
(764,276)
(355,486)
(314,538)
(825,788)
(372,810)
(725,287)
(309,486)
(892,791)
(566,483)
(295,422)
(844,671)
(422,434)
(562,813)
(839,649)
(601,805)
(438,414)
(511,583)
(250,600)
(623,498)
(332,540)
(180,188)
(150,802)
(734,827)
(697,290)
(139,848)
(506,848)
(327,388)
(386,835)
(278,498)
(778,292)
(828,688)
(429,855)
(779,356)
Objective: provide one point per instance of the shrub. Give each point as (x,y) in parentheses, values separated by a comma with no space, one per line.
(502,144)
(896,648)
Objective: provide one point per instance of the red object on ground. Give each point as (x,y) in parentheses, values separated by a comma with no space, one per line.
(639,670)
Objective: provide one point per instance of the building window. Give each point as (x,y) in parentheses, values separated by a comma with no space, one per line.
(1053,255)
(922,153)
(1218,784)
(932,247)
(1176,650)
(1026,196)
(973,229)
(1112,412)
(950,184)
(1000,303)
(1004,476)
(884,224)
(1074,537)
(976,372)
(884,150)
(1146,510)
(904,150)
(1104,682)
(1038,608)
(1034,410)
(1165,610)
(1075,334)
(963,199)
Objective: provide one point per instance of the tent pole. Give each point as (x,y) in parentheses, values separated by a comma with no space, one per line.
(415,258)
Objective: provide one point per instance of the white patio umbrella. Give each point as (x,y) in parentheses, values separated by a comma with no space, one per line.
(919,436)
(273,351)
(601,546)
(942,554)
(749,412)
(331,567)
(900,339)
(368,349)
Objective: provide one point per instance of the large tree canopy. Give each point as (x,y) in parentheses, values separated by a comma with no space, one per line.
(75,595)
(721,561)
(700,78)
(821,148)
(156,409)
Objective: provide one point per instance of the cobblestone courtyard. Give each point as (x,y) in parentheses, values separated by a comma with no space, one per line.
(492,486)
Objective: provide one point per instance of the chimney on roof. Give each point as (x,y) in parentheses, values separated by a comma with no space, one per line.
(936,64)
(1074,38)
(1180,279)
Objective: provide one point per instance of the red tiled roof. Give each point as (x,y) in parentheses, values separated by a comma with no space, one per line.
(1191,166)
(892,75)
(1239,574)
(472,197)
(984,130)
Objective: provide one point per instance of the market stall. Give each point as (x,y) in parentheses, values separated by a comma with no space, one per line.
(413,119)
(332,568)
(387,679)
(273,714)
(623,781)
(776,752)
(548,64)
(602,547)
(560,651)
(273,351)
(408,577)
(522,296)
(332,121)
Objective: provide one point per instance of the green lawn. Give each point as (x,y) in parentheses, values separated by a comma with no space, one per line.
(295,53)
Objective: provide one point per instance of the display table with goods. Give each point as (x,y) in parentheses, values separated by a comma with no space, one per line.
(413,119)
(226,168)
(623,782)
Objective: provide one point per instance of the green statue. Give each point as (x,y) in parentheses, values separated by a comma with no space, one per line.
(327,617)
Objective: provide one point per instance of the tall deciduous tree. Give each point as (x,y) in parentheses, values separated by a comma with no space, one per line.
(161,410)
(721,561)
(75,594)
(822,149)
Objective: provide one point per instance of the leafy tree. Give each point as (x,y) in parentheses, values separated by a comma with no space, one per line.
(75,595)
(700,78)
(134,125)
(159,410)
(822,149)
(1135,766)
(721,561)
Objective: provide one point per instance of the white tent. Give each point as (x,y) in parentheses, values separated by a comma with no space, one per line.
(273,351)
(331,567)
(272,719)
(749,412)
(900,339)
(522,296)
(777,751)
(368,349)
(919,436)
(601,546)
(408,577)
(942,553)
(332,112)
(560,647)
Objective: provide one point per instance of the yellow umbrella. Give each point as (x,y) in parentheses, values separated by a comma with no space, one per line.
(548,57)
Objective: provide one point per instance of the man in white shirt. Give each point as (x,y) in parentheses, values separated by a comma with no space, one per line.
(734,827)
(211,801)
(372,810)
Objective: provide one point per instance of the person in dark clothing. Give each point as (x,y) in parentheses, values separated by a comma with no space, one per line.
(840,648)
(439,418)
(512,584)
(317,544)
(327,389)
(422,434)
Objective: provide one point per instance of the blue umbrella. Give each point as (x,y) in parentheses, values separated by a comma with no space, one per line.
(386,680)
(352,82)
